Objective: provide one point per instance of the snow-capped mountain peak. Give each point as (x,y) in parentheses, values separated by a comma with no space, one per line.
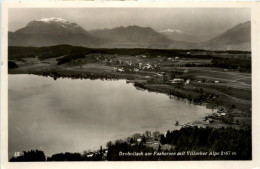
(52,26)
(53,19)
(171,31)
(60,21)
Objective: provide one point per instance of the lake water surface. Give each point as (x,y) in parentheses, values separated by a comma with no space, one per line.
(73,115)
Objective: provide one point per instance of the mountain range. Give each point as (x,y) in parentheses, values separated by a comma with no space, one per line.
(236,38)
(54,31)
(179,35)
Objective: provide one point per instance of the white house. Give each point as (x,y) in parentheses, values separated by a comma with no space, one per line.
(187,82)
(120,70)
(139,140)
(136,70)
(177,80)
(223,114)
(90,155)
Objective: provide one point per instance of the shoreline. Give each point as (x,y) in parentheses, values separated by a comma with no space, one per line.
(141,84)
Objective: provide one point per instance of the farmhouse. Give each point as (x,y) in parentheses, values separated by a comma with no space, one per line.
(139,140)
(177,80)
(223,114)
(90,155)
(119,61)
(158,74)
(147,66)
(120,70)
(187,82)
(136,70)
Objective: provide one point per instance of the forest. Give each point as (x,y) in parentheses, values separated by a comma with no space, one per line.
(230,143)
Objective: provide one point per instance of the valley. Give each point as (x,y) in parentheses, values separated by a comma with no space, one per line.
(220,80)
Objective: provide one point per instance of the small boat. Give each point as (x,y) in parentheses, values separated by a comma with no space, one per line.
(176,123)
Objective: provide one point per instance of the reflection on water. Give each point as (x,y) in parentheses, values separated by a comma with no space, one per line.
(66,115)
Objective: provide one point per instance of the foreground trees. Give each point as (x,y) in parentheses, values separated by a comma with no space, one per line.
(190,143)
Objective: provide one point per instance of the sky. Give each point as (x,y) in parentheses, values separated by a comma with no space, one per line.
(203,23)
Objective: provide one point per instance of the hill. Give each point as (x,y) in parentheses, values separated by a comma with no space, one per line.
(236,38)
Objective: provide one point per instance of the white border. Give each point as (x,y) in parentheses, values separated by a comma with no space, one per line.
(255,19)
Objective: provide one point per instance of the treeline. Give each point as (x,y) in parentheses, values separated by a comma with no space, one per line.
(54,51)
(197,97)
(243,65)
(77,156)
(15,52)
(230,143)
(211,139)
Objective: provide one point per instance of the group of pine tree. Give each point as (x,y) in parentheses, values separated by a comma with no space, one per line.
(186,139)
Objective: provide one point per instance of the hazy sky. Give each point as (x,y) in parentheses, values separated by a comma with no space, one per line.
(200,22)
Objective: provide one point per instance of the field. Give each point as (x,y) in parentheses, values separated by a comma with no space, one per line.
(219,80)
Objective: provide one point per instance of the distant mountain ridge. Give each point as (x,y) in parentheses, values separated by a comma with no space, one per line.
(133,36)
(52,26)
(236,38)
(52,31)
(55,31)
(178,35)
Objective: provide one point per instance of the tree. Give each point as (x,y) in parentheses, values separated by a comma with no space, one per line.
(162,139)
(201,90)
(109,144)
(101,151)
(172,75)
(143,140)
(131,141)
(159,148)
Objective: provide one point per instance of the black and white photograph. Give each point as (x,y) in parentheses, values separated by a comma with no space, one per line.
(129,84)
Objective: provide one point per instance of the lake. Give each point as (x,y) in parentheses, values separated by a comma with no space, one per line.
(73,115)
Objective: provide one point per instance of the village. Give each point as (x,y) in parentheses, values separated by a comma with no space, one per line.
(190,75)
